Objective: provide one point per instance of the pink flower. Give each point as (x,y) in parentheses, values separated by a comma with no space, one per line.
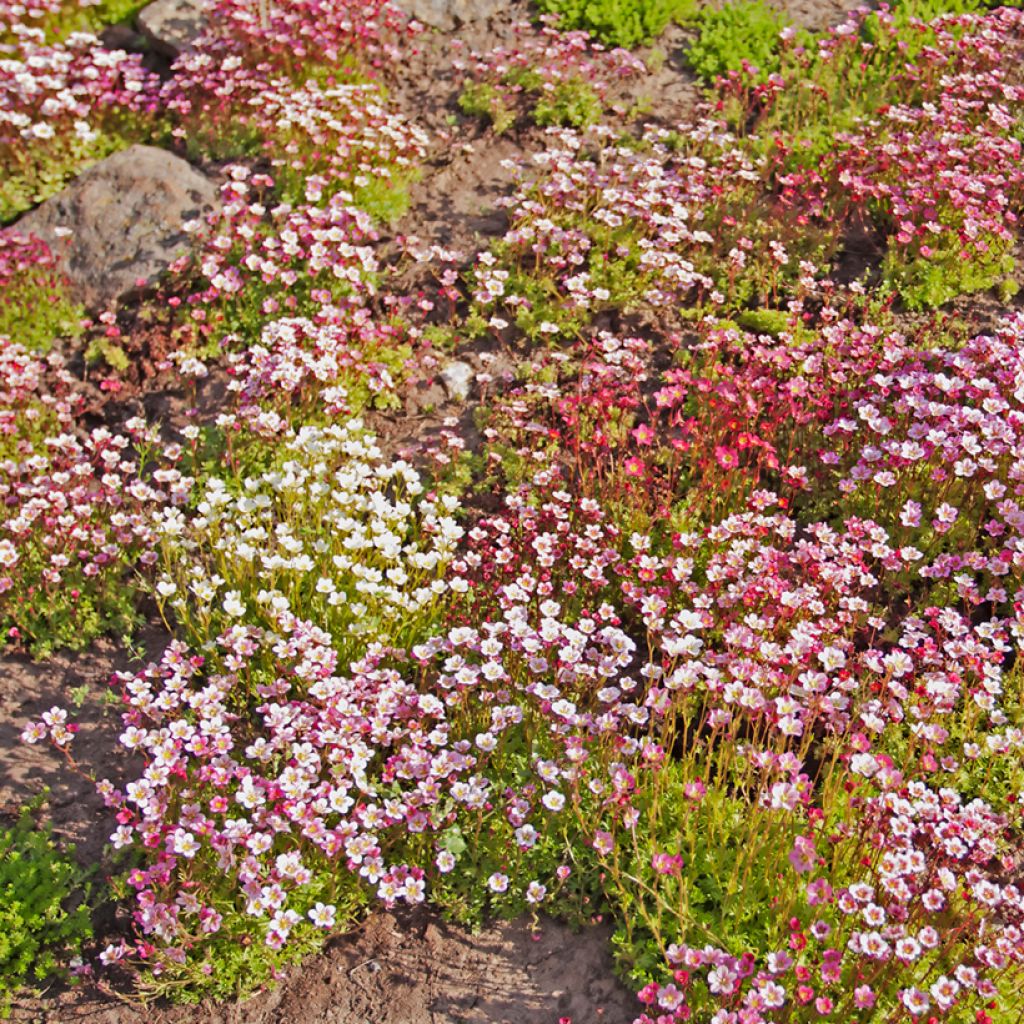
(803,856)
(644,435)
(863,997)
(726,457)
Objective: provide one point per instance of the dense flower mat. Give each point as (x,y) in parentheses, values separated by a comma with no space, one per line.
(709,622)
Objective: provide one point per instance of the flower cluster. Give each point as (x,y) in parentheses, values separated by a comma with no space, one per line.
(77,519)
(710,620)
(882,943)
(54,20)
(923,139)
(563,78)
(945,180)
(604,224)
(302,36)
(942,429)
(37,399)
(319,139)
(582,409)
(256,261)
(340,780)
(62,107)
(768,666)
(34,307)
(299,369)
(255,549)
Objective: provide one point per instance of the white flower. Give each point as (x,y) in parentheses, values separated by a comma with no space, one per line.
(185,843)
(832,658)
(526,836)
(915,1000)
(553,800)
(322,915)
(121,837)
(721,980)
(8,554)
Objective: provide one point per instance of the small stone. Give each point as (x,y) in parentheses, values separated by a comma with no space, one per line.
(119,224)
(424,398)
(457,378)
(448,14)
(172,26)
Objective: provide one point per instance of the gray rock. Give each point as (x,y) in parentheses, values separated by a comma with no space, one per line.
(122,222)
(448,14)
(457,378)
(172,26)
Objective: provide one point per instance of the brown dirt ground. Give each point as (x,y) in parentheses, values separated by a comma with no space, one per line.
(414,969)
(818,15)
(27,689)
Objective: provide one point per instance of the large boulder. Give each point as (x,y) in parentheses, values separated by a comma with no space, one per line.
(119,224)
(172,26)
(449,14)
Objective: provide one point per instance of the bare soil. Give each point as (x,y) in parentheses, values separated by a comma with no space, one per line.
(413,969)
(818,15)
(27,689)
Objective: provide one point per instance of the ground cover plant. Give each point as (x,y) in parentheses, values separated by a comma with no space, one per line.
(57,19)
(884,96)
(41,927)
(613,224)
(77,513)
(564,77)
(34,303)
(696,607)
(64,106)
(737,36)
(618,22)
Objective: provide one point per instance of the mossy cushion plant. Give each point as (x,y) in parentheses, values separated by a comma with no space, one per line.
(746,31)
(35,306)
(625,23)
(44,916)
